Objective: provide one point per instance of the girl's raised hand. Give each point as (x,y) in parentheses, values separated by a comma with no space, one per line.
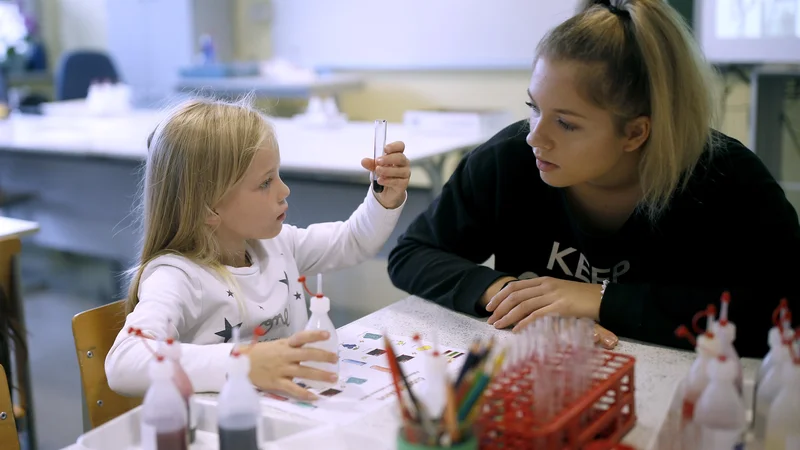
(393,171)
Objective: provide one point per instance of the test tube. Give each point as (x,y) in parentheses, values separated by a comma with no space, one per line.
(380,143)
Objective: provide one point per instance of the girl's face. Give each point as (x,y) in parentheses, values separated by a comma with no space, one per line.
(256,207)
(574,141)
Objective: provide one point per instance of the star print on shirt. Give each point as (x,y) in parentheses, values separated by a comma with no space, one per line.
(297,295)
(230,294)
(227,333)
(285,279)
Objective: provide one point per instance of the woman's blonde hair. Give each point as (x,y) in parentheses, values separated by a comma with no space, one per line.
(644,62)
(198,153)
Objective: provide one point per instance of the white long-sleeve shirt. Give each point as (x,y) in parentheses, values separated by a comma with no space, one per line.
(196,306)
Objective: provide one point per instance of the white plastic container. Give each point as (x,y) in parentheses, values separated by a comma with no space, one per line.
(783,419)
(720,411)
(726,332)
(775,342)
(123,432)
(239,408)
(707,348)
(319,320)
(171,349)
(435,392)
(767,391)
(782,318)
(164,419)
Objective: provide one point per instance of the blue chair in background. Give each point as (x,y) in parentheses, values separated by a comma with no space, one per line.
(76,71)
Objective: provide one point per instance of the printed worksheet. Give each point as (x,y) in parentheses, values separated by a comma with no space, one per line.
(365,380)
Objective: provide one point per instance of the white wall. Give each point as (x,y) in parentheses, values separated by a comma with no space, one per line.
(83,23)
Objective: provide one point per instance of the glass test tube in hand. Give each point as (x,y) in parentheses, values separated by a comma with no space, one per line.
(378,149)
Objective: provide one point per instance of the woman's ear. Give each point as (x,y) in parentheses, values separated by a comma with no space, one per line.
(212,218)
(636,133)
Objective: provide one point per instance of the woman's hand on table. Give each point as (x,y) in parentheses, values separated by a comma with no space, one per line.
(521,302)
(274,364)
(605,338)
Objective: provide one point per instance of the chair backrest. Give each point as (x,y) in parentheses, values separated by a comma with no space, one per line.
(12,329)
(94,332)
(3,88)
(8,426)
(76,71)
(8,249)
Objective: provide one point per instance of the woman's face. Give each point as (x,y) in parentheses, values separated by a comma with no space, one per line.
(574,141)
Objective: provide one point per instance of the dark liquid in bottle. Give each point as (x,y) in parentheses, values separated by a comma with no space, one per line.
(172,440)
(376,187)
(246,439)
(191,432)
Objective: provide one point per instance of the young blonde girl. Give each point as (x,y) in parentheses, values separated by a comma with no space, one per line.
(216,254)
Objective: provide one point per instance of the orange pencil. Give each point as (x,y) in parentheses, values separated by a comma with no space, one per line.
(450,419)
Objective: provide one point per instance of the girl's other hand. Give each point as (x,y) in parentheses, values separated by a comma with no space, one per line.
(273,365)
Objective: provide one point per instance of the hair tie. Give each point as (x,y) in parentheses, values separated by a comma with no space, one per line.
(619,12)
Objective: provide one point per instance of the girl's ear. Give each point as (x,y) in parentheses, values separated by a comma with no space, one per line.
(212,218)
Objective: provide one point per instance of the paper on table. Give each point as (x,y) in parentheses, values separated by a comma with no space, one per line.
(365,382)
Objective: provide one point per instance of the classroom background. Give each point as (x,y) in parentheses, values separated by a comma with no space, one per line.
(446,75)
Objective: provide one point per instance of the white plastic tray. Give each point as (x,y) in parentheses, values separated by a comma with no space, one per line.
(669,431)
(331,437)
(281,432)
(122,433)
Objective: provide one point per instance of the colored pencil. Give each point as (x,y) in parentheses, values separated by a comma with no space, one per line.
(464,397)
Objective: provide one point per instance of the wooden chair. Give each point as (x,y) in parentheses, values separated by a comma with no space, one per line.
(8,426)
(13,343)
(94,332)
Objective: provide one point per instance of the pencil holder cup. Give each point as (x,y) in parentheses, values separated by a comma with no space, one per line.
(403,443)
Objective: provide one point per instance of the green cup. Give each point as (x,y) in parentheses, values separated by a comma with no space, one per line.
(471,443)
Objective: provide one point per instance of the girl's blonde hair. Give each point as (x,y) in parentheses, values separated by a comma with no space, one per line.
(195,156)
(643,61)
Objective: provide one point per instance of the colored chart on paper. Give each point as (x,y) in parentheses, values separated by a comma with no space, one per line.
(365,381)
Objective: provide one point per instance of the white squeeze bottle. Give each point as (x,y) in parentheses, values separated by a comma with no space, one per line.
(707,348)
(435,393)
(772,383)
(319,320)
(726,332)
(783,419)
(238,405)
(172,351)
(774,339)
(720,411)
(164,419)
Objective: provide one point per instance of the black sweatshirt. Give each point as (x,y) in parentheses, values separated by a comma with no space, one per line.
(730,229)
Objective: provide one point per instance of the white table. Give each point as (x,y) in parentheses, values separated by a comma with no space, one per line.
(330,84)
(68,129)
(85,173)
(657,371)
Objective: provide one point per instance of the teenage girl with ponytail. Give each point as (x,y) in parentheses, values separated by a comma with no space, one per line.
(617,200)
